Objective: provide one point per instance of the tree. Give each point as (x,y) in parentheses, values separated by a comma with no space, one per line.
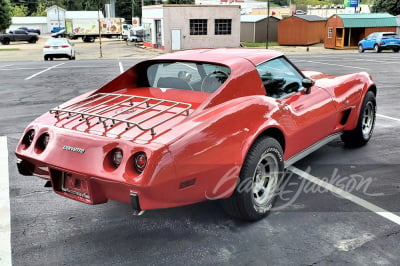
(390,6)
(19,11)
(5,15)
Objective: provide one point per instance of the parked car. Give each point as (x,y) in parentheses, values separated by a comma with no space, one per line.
(18,35)
(379,41)
(58,34)
(58,48)
(57,29)
(30,30)
(196,125)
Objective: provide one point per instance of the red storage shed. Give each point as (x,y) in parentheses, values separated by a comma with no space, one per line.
(301,30)
(344,31)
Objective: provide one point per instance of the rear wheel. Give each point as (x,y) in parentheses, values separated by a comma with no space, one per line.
(360,49)
(5,41)
(396,50)
(365,125)
(258,183)
(32,40)
(377,49)
(46,58)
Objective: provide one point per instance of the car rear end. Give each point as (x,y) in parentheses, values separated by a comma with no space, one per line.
(390,41)
(58,48)
(106,147)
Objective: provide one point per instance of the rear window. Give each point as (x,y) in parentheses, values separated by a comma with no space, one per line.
(193,76)
(391,35)
(56,41)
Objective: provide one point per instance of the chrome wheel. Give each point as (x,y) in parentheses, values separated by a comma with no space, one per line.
(368,119)
(265,181)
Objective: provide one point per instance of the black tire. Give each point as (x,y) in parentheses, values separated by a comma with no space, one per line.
(5,41)
(46,58)
(365,125)
(377,49)
(32,40)
(263,166)
(88,38)
(396,50)
(360,49)
(51,58)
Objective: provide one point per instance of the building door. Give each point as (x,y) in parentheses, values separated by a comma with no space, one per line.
(339,37)
(158,34)
(176,40)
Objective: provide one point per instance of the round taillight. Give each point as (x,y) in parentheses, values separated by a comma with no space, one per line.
(28,138)
(116,157)
(42,142)
(140,161)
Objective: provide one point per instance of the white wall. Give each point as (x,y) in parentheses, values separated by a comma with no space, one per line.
(55,17)
(178,18)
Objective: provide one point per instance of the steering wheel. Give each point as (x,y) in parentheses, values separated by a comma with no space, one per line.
(291,87)
(213,80)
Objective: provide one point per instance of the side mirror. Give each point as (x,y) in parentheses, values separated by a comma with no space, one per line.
(307,83)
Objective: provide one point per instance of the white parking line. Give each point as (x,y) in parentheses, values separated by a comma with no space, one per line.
(121,67)
(346,195)
(47,69)
(5,227)
(388,117)
(7,65)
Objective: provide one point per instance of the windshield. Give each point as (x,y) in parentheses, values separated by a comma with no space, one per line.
(187,76)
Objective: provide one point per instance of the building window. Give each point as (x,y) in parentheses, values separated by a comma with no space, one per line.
(198,27)
(330,30)
(147,32)
(223,26)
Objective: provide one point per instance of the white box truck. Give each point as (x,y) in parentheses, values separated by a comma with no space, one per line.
(88,29)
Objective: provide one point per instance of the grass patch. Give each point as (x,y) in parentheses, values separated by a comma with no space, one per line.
(258,44)
(9,49)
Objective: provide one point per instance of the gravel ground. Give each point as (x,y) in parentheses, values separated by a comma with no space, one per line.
(118,49)
(111,49)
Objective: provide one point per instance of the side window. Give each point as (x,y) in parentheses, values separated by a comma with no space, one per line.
(279,77)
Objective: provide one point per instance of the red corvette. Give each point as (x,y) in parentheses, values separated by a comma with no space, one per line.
(196,125)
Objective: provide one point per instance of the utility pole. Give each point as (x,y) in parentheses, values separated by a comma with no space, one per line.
(98,19)
(266,44)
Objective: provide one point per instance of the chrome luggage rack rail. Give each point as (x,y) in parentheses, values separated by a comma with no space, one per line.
(98,104)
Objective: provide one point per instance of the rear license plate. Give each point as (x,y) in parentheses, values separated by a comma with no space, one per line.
(75,185)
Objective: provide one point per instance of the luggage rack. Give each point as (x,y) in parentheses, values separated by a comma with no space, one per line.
(98,104)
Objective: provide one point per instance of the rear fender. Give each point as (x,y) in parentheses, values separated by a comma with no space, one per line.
(212,152)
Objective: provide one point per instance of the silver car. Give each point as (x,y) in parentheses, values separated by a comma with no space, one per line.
(58,48)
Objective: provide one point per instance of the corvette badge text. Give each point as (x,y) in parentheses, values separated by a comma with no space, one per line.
(74,149)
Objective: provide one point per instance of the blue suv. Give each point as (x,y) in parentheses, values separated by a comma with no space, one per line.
(379,41)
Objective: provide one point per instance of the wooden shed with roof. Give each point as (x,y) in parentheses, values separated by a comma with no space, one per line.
(344,31)
(253,28)
(301,30)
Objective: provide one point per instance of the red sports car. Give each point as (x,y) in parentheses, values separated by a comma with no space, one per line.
(196,125)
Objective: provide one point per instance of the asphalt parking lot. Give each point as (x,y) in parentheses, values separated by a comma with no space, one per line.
(310,226)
